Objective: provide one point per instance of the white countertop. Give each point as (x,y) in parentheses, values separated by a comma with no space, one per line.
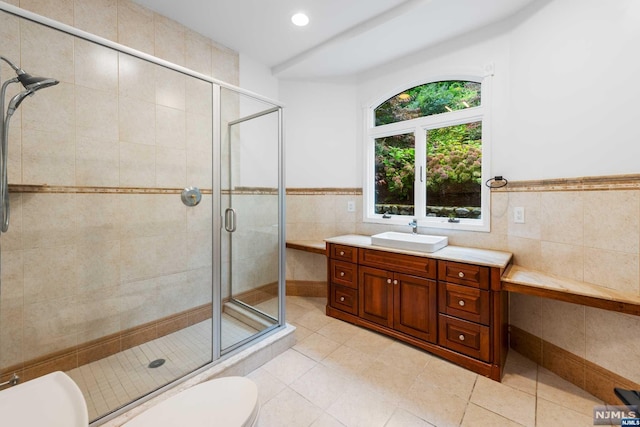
(484,257)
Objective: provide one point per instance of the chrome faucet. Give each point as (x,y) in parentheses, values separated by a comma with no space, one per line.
(414,226)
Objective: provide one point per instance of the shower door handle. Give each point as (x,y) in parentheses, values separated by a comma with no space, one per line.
(230,220)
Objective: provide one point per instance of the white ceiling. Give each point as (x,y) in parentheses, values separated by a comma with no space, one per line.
(344,37)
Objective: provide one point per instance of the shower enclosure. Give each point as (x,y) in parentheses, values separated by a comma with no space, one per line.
(147,217)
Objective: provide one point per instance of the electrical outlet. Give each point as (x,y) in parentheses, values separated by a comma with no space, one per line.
(351,206)
(518,215)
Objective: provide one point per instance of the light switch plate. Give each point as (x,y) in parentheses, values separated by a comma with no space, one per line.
(518,215)
(351,206)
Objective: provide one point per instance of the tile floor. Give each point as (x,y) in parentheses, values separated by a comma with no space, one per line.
(109,383)
(341,375)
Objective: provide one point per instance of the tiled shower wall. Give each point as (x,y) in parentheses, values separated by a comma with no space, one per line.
(79,264)
(591,236)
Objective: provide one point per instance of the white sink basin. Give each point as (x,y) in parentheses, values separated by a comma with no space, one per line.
(410,242)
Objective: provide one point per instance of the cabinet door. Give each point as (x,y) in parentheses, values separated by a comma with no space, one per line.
(415,306)
(375,290)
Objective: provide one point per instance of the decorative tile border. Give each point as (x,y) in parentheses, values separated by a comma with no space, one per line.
(585,374)
(589,183)
(100,348)
(324,191)
(25,188)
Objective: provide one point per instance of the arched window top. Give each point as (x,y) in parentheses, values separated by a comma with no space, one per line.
(428,99)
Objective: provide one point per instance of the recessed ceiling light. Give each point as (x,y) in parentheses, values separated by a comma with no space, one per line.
(300,19)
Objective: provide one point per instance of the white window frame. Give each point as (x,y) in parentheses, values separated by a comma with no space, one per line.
(419,127)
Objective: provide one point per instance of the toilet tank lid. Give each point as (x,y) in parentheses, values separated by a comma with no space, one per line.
(53,400)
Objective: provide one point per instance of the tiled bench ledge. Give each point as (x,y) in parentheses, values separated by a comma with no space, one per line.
(524,281)
(313,246)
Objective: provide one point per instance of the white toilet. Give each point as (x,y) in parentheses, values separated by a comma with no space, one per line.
(228,402)
(54,400)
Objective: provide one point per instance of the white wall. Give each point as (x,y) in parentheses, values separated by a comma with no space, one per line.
(574,97)
(565,99)
(320,134)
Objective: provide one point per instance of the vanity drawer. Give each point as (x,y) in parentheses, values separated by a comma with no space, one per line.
(409,264)
(344,273)
(464,274)
(464,302)
(345,299)
(464,337)
(343,253)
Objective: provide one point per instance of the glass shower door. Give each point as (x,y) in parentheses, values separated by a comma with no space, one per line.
(250,204)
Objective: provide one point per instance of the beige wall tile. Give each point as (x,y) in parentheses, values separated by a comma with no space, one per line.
(98,313)
(199,98)
(11,335)
(611,269)
(562,217)
(197,52)
(563,324)
(12,279)
(199,132)
(97,162)
(138,258)
(532,207)
(137,121)
(136,78)
(170,88)
(98,265)
(96,67)
(60,10)
(48,158)
(48,220)
(92,108)
(171,127)
(562,260)
(526,252)
(49,326)
(135,26)
(51,110)
(225,64)
(499,213)
(49,273)
(173,294)
(137,165)
(613,342)
(199,171)
(46,52)
(171,253)
(525,312)
(169,39)
(612,220)
(138,303)
(97,217)
(199,249)
(171,167)
(99,17)
(9,41)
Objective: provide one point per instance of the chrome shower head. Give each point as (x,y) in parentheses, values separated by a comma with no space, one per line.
(27,80)
(35,83)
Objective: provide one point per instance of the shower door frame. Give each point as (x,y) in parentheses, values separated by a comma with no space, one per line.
(217,355)
(281,227)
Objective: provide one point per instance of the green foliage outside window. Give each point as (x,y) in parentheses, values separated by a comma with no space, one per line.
(454,158)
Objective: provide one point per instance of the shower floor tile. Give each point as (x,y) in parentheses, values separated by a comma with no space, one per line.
(109,383)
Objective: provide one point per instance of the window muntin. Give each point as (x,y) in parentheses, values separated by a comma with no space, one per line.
(428,99)
(448,167)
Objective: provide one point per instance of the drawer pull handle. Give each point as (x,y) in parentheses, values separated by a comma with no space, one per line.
(341,299)
(342,274)
(461,274)
(461,337)
(395,282)
(461,303)
(341,253)
(389,281)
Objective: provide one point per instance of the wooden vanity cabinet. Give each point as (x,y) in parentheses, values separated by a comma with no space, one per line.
(454,310)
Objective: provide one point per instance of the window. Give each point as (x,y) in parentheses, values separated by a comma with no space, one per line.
(427,157)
